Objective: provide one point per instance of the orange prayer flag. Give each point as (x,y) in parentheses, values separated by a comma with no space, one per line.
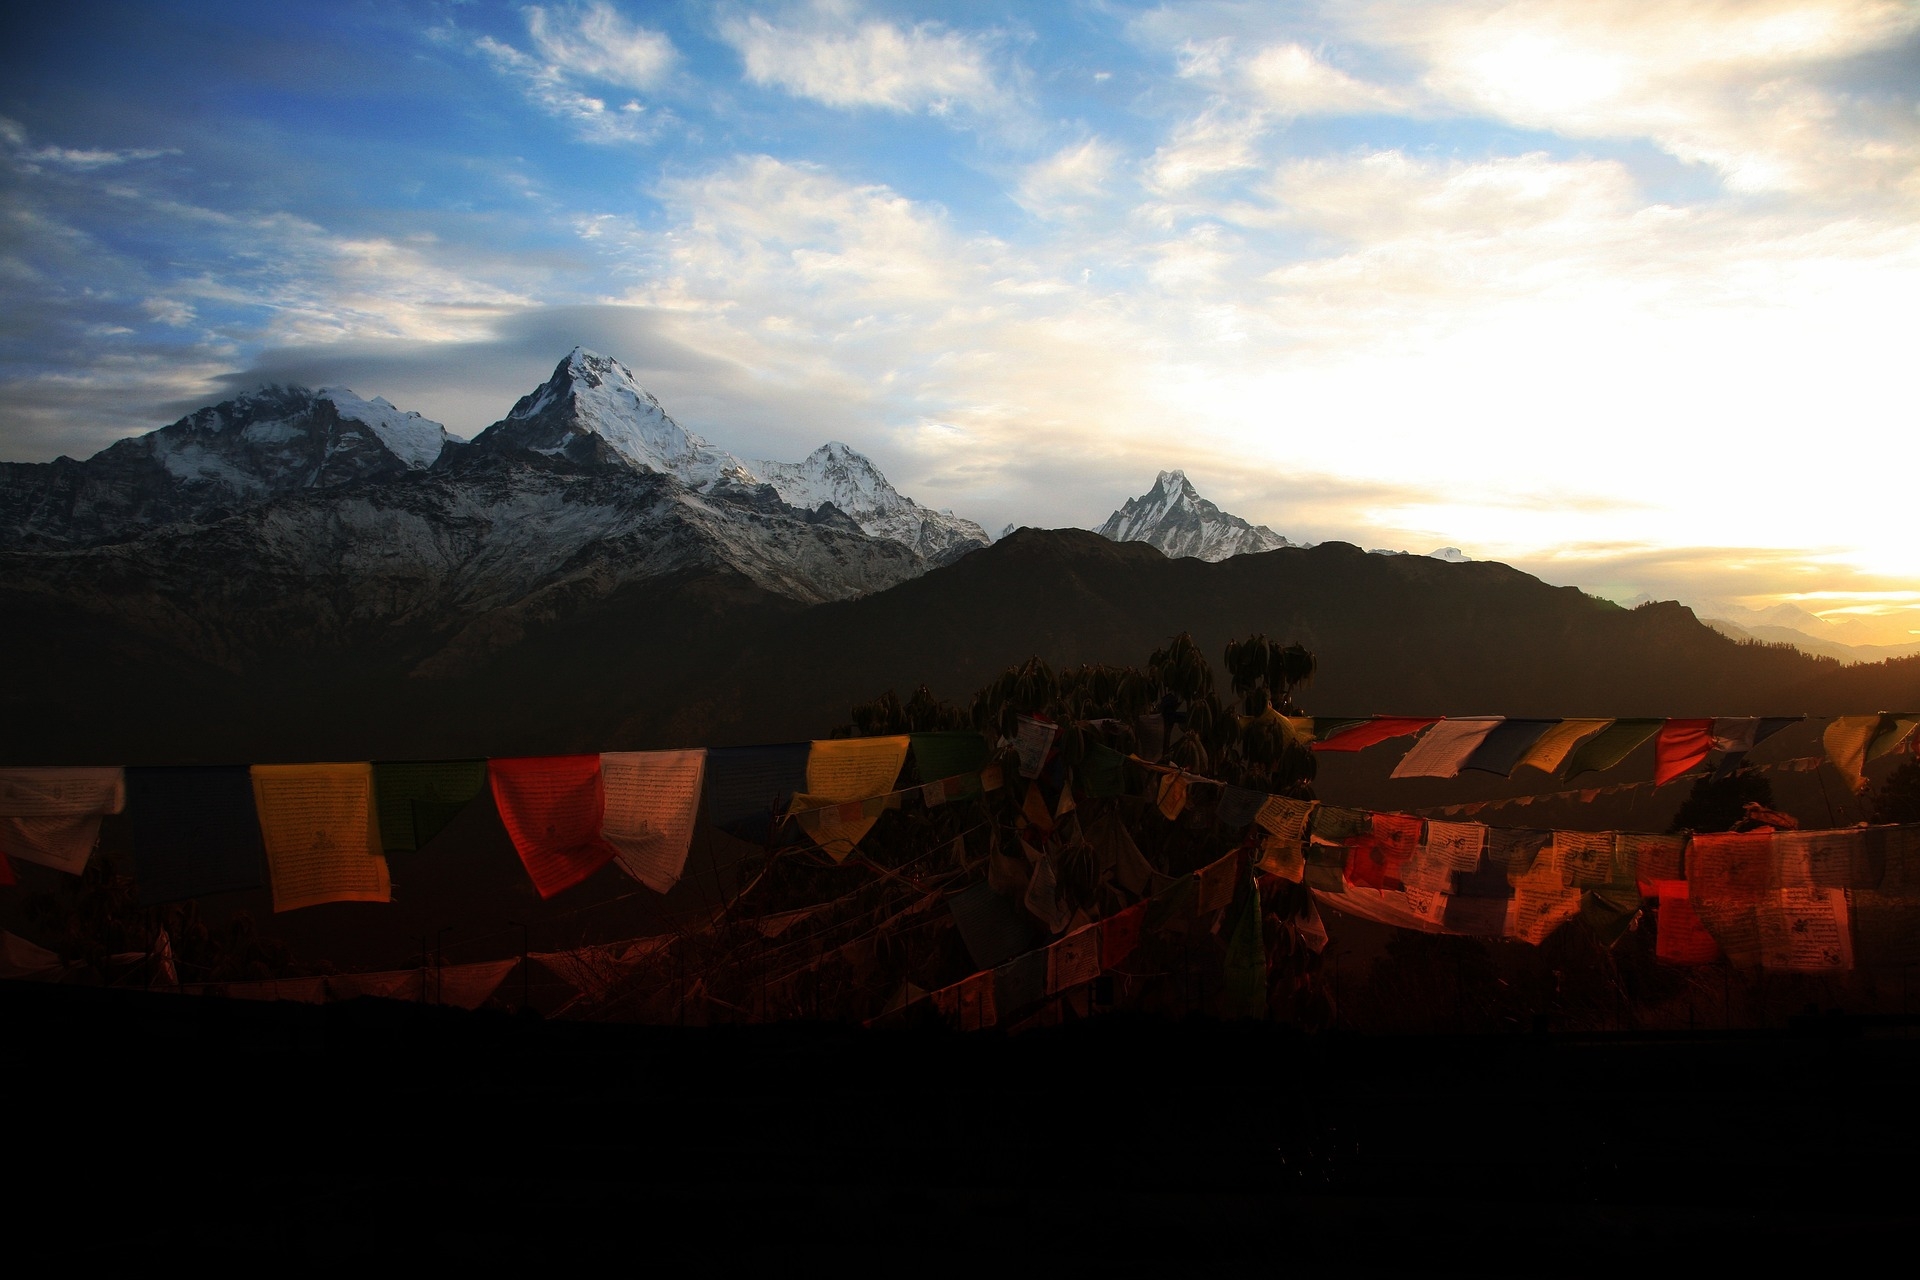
(553,808)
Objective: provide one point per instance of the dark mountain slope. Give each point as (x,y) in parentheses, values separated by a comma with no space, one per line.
(708,655)
(1402,634)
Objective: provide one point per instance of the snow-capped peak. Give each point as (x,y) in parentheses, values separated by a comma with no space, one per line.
(415,440)
(1175,518)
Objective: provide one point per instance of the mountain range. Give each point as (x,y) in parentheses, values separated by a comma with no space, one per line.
(307,574)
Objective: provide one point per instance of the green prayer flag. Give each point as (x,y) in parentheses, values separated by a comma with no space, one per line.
(1103,771)
(1609,910)
(417,798)
(948,754)
(1894,730)
(1609,747)
(1246,960)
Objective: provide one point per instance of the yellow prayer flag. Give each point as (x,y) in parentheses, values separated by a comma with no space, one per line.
(840,770)
(1846,742)
(322,834)
(1552,748)
(1173,795)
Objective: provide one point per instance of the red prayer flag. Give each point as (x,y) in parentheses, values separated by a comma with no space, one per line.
(1377,856)
(1120,934)
(1679,937)
(1683,744)
(552,807)
(1378,729)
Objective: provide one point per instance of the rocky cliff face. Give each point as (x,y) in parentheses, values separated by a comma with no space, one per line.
(1175,518)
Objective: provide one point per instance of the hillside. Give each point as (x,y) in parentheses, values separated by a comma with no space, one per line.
(710,656)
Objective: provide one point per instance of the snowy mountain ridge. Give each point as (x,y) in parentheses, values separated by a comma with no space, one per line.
(1175,518)
(593,410)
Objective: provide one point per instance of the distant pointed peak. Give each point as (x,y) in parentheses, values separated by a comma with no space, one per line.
(1172,480)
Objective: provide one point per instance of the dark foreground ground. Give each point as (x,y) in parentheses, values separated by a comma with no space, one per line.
(181,1132)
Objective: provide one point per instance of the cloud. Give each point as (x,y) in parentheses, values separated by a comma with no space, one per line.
(1220,140)
(591,44)
(1746,89)
(595,43)
(1291,80)
(100,336)
(831,58)
(1070,182)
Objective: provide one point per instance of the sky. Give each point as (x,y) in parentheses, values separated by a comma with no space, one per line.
(1622,294)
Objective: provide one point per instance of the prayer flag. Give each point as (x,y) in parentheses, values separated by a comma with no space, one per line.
(1586,858)
(1173,795)
(51,815)
(1609,747)
(1846,741)
(1214,884)
(1639,857)
(1033,741)
(956,756)
(1020,982)
(1074,959)
(1150,735)
(1502,750)
(1551,749)
(1609,911)
(1894,733)
(843,770)
(1366,733)
(553,807)
(1245,993)
(992,928)
(1823,860)
(1286,818)
(1115,849)
(1238,807)
(418,798)
(1456,845)
(652,804)
(1682,745)
(1335,823)
(1378,856)
(194,832)
(1283,858)
(1542,901)
(1444,748)
(321,834)
(1103,771)
(1806,931)
(748,788)
(1034,808)
(1120,935)
(1679,937)
(1735,733)
(1515,849)
(968,1004)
